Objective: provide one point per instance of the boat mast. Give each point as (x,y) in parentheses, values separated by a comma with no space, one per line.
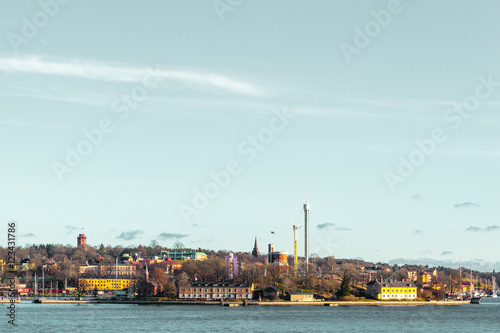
(471,278)
(461,287)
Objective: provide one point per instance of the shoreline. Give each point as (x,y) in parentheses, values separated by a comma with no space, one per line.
(255,303)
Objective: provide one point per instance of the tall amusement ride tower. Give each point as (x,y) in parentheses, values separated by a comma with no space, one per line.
(306,222)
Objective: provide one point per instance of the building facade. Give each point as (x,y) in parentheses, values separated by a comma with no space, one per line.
(277,257)
(217,290)
(105,284)
(81,240)
(232,261)
(182,255)
(110,270)
(393,290)
(300,296)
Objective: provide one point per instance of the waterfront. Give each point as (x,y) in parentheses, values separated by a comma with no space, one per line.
(155,318)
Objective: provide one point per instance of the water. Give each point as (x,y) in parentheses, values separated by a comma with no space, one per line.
(183,318)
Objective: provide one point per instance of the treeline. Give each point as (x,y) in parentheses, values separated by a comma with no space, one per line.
(324,275)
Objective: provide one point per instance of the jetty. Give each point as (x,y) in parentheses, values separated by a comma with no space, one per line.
(362,303)
(56,301)
(256,303)
(7,300)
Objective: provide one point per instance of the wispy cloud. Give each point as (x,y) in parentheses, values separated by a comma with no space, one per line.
(465,204)
(417,197)
(28,235)
(487,229)
(165,235)
(417,232)
(70,228)
(331,225)
(445,253)
(325,225)
(129,235)
(118,72)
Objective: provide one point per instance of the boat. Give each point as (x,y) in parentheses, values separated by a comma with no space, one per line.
(475,296)
(475,299)
(494,286)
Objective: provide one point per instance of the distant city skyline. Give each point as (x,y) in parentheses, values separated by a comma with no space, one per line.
(203,124)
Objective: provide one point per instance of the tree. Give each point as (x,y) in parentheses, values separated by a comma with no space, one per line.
(190,268)
(289,282)
(182,280)
(345,289)
(250,273)
(165,287)
(309,276)
(82,288)
(276,273)
(179,246)
(220,268)
(214,268)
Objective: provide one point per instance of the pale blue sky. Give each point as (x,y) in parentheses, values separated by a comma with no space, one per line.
(221,82)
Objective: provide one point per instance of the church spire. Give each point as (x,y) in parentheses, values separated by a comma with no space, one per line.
(255,251)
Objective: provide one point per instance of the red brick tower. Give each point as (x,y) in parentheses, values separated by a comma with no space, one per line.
(82,240)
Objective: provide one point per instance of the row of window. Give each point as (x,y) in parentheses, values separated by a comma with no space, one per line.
(400,296)
(214,296)
(405,290)
(106,284)
(111,280)
(217,290)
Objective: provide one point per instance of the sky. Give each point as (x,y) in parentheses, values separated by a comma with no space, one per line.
(211,123)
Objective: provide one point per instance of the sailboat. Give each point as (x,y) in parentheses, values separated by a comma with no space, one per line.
(494,287)
(475,298)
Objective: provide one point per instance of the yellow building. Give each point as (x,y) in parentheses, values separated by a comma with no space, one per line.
(426,278)
(394,290)
(3,264)
(300,296)
(412,276)
(105,284)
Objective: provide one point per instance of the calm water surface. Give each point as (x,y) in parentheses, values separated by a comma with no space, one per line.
(177,318)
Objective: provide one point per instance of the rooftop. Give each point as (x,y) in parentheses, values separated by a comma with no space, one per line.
(396,284)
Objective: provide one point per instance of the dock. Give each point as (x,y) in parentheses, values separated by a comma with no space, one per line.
(256,303)
(54,301)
